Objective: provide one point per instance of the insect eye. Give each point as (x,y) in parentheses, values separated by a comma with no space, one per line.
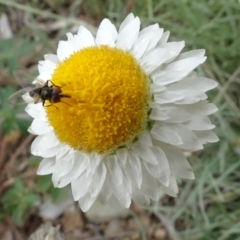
(31,93)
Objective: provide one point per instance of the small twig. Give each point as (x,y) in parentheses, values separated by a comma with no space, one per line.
(223,89)
(11,181)
(2,147)
(227,75)
(168,225)
(19,150)
(119,235)
(14,229)
(16,154)
(44,13)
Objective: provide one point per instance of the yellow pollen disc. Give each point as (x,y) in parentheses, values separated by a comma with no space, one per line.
(107,107)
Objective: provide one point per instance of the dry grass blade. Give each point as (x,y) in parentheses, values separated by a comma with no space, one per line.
(168,225)
(47,232)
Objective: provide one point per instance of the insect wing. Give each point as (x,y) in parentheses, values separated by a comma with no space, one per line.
(21,97)
(24,78)
(27,79)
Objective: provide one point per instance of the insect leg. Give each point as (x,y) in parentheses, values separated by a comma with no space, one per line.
(66,103)
(52,83)
(51,104)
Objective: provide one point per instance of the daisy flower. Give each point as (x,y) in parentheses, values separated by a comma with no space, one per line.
(135,106)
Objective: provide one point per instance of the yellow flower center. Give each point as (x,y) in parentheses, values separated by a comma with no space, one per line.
(107,105)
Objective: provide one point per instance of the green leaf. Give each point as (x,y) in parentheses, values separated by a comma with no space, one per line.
(31,198)
(34,161)
(12,49)
(23,125)
(58,194)
(44,183)
(18,215)
(9,114)
(18,200)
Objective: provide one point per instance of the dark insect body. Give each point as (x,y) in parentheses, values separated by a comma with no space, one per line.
(40,92)
(52,93)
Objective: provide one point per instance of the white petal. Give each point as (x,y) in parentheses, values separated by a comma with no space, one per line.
(172,189)
(79,187)
(163,77)
(97,180)
(149,185)
(206,136)
(146,40)
(105,193)
(174,46)
(191,54)
(164,38)
(186,65)
(156,88)
(198,121)
(173,184)
(189,139)
(164,173)
(140,47)
(45,75)
(65,165)
(192,97)
(192,89)
(70,36)
(139,198)
(154,58)
(179,165)
(107,34)
(158,114)
(153,33)
(131,30)
(79,165)
(39,127)
(143,152)
(123,197)
(86,202)
(65,49)
(133,170)
(65,180)
(93,163)
(197,84)
(114,168)
(168,96)
(126,21)
(39,144)
(127,184)
(100,213)
(145,138)
(175,114)
(83,39)
(35,146)
(27,98)
(63,150)
(122,154)
(36,111)
(46,166)
(205,107)
(50,152)
(153,170)
(51,57)
(164,133)
(46,66)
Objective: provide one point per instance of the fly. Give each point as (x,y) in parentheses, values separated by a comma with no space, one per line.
(40,92)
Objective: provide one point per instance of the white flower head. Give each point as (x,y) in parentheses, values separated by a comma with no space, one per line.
(135,106)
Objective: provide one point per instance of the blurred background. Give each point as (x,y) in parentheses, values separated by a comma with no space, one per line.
(207,207)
